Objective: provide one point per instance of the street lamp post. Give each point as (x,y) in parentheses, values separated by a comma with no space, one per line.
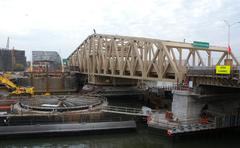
(229,33)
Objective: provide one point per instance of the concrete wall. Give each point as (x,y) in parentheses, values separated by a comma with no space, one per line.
(55,84)
(186,106)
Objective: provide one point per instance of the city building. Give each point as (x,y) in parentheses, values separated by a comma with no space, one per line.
(43,61)
(12,60)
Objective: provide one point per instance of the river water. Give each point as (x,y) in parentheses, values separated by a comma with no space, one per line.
(142,138)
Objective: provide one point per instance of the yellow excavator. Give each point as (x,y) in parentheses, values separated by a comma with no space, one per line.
(14,89)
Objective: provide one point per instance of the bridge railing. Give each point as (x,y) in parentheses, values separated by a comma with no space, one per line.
(211,72)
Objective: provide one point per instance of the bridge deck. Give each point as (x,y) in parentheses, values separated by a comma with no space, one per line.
(208,76)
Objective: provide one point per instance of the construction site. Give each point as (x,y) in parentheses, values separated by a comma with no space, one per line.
(112,82)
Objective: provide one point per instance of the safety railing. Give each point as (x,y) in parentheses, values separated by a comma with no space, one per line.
(211,72)
(123,110)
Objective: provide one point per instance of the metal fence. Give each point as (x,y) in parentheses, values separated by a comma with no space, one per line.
(232,120)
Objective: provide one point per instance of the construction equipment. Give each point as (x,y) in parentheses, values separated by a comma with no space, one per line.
(14,89)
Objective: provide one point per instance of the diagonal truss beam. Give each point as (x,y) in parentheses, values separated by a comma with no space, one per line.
(140,58)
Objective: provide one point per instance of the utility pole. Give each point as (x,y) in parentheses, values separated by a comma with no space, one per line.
(229,34)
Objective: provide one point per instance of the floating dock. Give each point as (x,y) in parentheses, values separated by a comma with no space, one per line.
(65,128)
(176,128)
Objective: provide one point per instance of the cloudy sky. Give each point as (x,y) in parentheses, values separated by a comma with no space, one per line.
(61,25)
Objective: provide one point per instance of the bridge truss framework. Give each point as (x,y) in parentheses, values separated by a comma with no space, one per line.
(142,58)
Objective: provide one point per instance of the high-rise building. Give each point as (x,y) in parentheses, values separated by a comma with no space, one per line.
(12,60)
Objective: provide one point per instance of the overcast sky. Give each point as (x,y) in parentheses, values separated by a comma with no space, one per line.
(62,25)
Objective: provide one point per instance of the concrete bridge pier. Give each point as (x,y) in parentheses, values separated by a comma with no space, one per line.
(186,106)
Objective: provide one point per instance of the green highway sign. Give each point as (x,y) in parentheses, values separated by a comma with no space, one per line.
(200,44)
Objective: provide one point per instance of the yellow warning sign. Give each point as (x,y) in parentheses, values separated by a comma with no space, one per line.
(224,69)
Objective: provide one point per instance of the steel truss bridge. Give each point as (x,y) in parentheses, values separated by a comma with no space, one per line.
(101,55)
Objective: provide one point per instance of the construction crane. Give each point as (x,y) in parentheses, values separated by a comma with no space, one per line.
(14,89)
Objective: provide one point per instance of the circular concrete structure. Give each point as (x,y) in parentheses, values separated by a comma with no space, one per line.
(60,103)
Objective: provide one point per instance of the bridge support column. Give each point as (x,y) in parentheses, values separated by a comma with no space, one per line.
(185,106)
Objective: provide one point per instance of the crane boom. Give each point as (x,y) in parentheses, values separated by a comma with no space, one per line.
(7,82)
(16,90)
